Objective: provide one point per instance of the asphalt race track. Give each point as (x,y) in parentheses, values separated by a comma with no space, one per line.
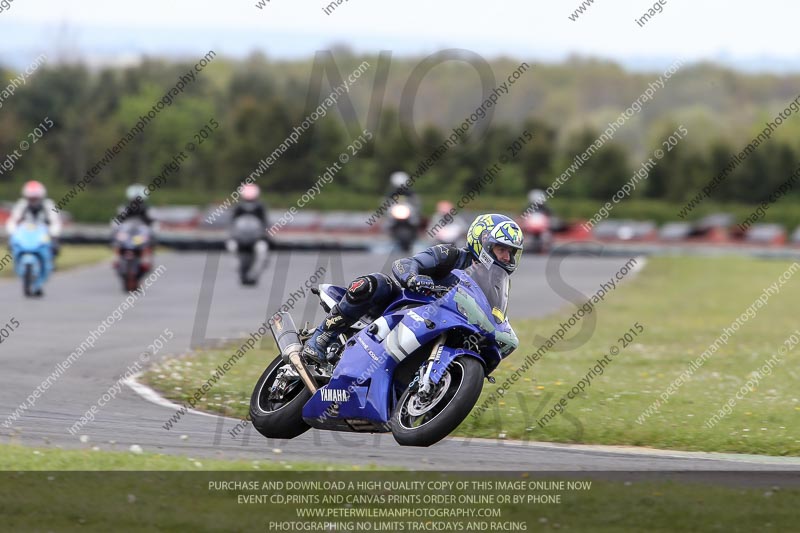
(198,297)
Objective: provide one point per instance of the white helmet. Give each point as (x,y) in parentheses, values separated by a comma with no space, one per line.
(135,191)
(537,197)
(398,179)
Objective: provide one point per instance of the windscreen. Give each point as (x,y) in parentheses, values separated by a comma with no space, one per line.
(494,283)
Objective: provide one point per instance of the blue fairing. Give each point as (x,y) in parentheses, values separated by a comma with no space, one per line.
(30,246)
(445,355)
(363,391)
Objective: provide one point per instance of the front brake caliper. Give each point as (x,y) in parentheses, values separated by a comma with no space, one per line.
(414,383)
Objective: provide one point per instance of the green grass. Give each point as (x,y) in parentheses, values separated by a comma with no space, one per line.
(70,257)
(187,501)
(21,458)
(682,303)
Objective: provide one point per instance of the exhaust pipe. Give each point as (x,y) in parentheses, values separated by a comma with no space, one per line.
(285,333)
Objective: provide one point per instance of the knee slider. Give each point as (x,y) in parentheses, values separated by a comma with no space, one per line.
(361,289)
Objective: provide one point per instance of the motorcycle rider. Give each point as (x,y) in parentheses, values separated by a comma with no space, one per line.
(249,204)
(446,226)
(136,207)
(444,212)
(400,191)
(34,206)
(491,238)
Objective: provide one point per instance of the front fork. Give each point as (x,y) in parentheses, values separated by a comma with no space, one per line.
(424,377)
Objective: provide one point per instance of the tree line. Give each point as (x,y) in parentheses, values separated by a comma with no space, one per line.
(257,103)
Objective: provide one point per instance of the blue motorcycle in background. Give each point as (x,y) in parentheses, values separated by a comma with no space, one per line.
(32,251)
(416,371)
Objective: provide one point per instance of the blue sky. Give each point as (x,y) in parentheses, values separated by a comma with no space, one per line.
(741,33)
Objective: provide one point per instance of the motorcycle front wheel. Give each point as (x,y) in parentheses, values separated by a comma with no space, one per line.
(245,264)
(422,421)
(278,416)
(28,280)
(404,236)
(128,273)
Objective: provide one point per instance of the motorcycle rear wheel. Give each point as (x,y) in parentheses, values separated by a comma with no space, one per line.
(422,422)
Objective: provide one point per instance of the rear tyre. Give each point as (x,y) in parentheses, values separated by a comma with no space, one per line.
(424,421)
(278,417)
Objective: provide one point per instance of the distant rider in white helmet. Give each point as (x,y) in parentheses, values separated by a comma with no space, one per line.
(402,189)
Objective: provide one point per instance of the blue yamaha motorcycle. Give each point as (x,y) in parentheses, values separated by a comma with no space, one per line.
(33,256)
(416,371)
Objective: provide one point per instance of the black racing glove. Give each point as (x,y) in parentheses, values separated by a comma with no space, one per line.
(420,283)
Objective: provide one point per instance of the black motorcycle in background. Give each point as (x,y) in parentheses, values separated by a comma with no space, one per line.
(133,246)
(247,240)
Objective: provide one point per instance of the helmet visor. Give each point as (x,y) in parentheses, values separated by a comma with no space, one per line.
(505,255)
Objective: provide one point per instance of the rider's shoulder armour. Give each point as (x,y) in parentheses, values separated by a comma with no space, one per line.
(451,257)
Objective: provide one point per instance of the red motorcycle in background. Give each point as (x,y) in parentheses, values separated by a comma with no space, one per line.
(537,223)
(133,246)
(537,229)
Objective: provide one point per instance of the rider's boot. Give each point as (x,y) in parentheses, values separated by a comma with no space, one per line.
(334,324)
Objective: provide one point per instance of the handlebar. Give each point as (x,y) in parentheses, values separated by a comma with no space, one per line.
(438,290)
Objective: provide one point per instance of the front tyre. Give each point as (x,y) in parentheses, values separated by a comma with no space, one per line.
(131,281)
(128,269)
(537,246)
(404,235)
(245,264)
(421,421)
(28,280)
(276,406)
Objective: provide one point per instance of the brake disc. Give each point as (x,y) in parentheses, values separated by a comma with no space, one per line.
(418,407)
(286,374)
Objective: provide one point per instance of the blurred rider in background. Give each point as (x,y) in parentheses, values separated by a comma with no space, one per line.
(446,225)
(537,203)
(36,207)
(249,204)
(403,192)
(137,206)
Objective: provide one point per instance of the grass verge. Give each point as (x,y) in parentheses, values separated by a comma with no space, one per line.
(682,304)
(70,257)
(21,458)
